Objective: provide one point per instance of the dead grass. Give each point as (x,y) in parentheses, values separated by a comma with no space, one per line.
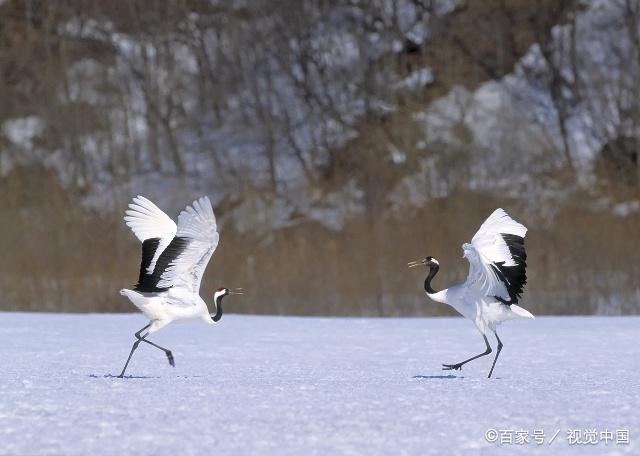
(58,256)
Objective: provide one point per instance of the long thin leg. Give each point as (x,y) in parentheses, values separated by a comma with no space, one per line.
(497,354)
(133,348)
(458,366)
(167,352)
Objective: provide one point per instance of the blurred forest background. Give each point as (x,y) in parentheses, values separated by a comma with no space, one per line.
(337,140)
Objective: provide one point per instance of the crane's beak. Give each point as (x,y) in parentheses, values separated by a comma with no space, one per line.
(236,291)
(413,264)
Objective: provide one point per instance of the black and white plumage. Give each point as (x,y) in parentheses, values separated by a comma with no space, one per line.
(174,258)
(496,279)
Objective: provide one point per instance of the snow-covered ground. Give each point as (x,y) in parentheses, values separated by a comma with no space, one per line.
(281,385)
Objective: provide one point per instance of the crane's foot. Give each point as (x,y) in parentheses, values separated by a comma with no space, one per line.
(170,358)
(447,367)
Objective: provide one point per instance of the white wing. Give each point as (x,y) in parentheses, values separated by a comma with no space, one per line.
(497,259)
(147,221)
(195,241)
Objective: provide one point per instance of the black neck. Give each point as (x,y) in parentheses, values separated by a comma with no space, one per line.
(218,314)
(433,270)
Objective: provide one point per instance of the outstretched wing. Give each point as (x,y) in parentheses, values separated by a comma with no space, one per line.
(183,262)
(497,258)
(153,228)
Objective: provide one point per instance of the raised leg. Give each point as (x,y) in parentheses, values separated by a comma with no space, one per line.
(458,366)
(497,354)
(167,352)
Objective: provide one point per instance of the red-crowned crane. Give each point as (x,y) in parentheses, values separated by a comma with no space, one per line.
(497,275)
(174,258)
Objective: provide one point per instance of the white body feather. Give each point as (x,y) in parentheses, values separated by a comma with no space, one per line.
(172,305)
(484,311)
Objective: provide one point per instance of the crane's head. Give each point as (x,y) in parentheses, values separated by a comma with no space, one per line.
(223,291)
(428,261)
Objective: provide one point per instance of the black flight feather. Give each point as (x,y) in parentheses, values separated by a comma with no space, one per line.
(148,283)
(513,277)
(149,247)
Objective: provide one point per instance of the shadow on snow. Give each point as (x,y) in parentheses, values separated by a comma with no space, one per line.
(436,377)
(115,376)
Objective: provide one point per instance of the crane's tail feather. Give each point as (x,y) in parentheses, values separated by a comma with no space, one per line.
(136,298)
(519,311)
